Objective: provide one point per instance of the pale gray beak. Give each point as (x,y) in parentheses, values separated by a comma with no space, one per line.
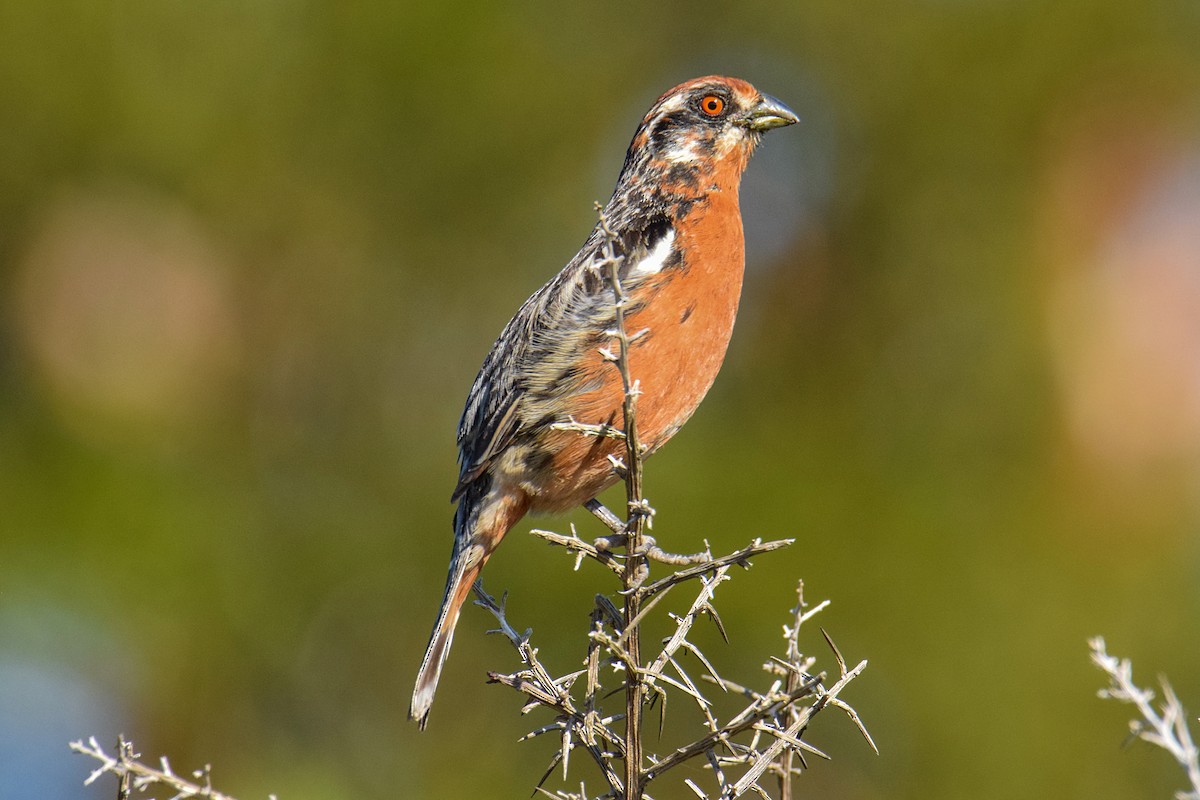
(768,113)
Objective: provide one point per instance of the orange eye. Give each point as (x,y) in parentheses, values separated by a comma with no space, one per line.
(712,105)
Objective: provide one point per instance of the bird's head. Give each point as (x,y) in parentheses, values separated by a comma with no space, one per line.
(703,129)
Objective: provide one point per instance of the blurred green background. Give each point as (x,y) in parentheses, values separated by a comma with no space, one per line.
(253,253)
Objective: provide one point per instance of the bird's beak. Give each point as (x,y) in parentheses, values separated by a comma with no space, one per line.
(768,113)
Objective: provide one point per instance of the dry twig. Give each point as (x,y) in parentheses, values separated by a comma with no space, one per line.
(1165,727)
(132,775)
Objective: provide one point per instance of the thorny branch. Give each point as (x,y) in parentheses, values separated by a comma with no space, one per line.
(593,731)
(133,775)
(1165,727)
(599,431)
(639,513)
(764,738)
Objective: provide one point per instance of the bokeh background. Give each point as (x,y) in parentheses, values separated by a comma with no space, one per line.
(252,254)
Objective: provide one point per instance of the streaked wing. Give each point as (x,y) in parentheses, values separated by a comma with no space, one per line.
(546,330)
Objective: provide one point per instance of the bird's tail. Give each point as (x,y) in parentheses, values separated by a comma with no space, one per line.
(478,528)
(458,586)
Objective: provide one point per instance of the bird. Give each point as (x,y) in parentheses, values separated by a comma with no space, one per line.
(675,224)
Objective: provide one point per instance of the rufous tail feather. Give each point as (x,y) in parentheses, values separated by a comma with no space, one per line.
(458,586)
(480,522)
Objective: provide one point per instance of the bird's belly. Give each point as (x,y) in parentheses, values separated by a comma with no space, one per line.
(680,330)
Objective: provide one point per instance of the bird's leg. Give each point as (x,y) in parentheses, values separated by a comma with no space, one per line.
(649,548)
(610,520)
(619,537)
(656,553)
